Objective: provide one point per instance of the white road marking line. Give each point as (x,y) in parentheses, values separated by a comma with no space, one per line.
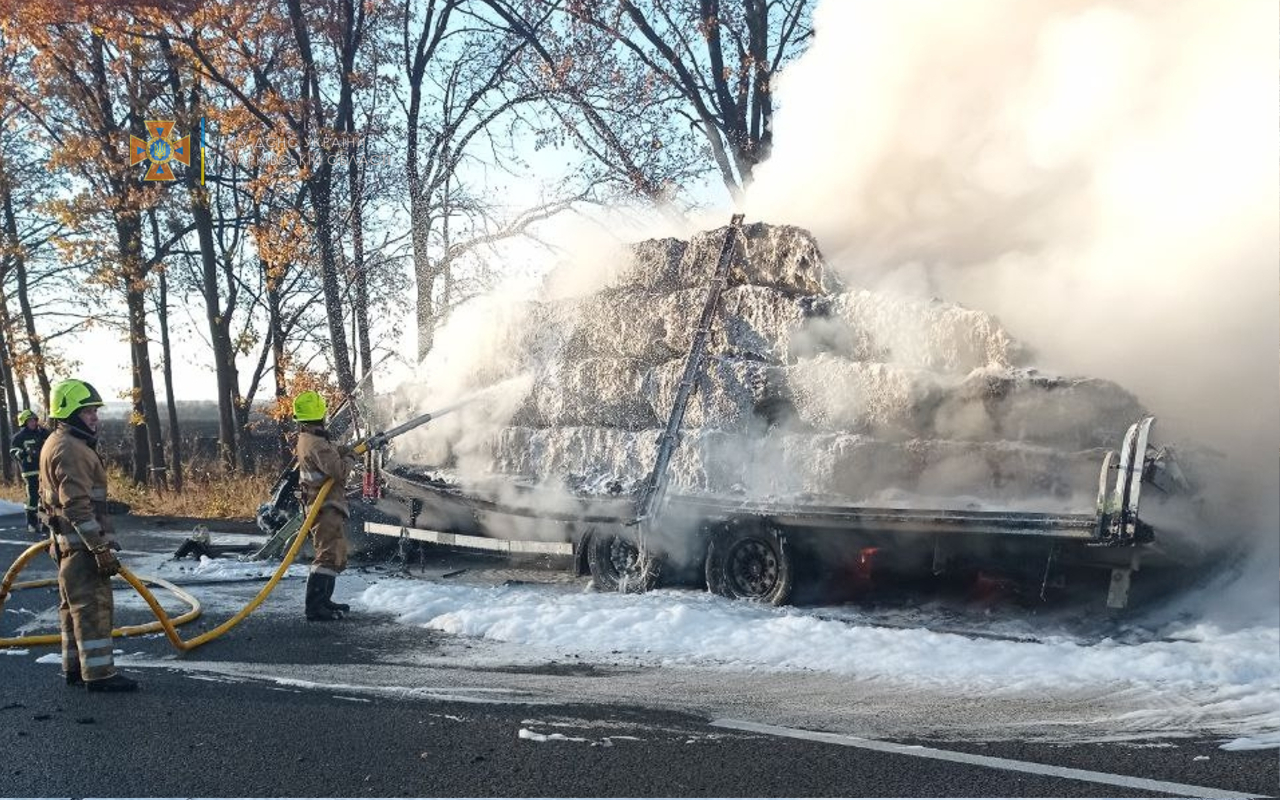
(1182,789)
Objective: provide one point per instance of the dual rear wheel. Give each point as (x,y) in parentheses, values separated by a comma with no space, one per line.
(750,562)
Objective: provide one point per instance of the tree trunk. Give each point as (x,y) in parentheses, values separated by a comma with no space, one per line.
(145,403)
(129,234)
(175,440)
(419,203)
(444,265)
(24,301)
(219,319)
(11,356)
(219,327)
(7,408)
(359,274)
(6,374)
(275,329)
(424,271)
(22,385)
(243,407)
(148,441)
(7,432)
(321,197)
(320,183)
(141,453)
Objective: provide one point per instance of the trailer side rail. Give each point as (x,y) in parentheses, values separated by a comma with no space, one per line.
(616,511)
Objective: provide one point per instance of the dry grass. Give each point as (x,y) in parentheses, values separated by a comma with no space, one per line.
(205,494)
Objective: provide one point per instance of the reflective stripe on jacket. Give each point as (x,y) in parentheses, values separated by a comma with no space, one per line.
(319,460)
(73,486)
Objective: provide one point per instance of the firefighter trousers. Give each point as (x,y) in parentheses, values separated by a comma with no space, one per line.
(33,498)
(85,611)
(329,538)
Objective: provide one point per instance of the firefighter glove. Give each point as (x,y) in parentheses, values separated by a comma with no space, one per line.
(106,560)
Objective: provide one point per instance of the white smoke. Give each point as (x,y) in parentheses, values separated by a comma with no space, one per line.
(1099,175)
(472,360)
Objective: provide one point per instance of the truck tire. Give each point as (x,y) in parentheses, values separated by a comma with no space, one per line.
(751,563)
(616,565)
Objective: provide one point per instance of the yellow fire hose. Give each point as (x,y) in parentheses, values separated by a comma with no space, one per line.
(163,621)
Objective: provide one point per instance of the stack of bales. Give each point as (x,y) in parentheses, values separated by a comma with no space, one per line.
(809,389)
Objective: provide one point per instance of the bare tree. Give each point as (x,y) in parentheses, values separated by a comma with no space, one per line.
(468,117)
(717,57)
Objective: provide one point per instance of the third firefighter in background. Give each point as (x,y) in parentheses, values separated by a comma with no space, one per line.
(25,449)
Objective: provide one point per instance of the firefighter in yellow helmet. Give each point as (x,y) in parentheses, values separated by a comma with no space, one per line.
(25,449)
(320,460)
(74,485)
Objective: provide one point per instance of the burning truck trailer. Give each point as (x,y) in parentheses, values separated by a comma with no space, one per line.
(794,422)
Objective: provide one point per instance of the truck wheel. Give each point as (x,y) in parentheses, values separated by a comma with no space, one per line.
(616,565)
(750,563)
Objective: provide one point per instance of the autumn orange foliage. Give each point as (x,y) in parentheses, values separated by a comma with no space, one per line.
(71,12)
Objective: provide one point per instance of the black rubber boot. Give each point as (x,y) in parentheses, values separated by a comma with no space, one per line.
(73,678)
(331,584)
(116,683)
(320,587)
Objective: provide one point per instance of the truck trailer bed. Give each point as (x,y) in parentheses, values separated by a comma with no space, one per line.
(747,548)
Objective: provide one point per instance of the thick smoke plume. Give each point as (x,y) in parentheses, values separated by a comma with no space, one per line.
(1099,175)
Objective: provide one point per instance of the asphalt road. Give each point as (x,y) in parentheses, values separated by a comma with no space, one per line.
(280,707)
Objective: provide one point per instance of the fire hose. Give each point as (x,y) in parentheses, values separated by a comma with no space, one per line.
(7,585)
(163,621)
(170,624)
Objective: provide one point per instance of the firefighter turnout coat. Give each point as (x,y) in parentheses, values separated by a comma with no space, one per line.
(318,461)
(74,497)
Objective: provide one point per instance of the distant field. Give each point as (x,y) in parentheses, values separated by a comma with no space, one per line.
(199,440)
